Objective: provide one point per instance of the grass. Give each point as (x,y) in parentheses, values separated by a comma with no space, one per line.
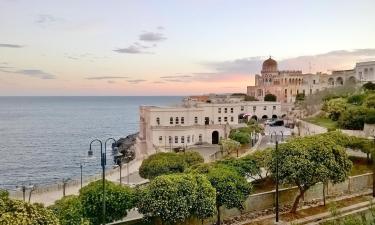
(322,121)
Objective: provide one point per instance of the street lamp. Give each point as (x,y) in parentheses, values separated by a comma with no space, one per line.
(274,134)
(373,170)
(117,157)
(65,182)
(103,159)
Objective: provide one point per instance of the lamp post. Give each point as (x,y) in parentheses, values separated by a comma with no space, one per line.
(65,182)
(373,170)
(274,134)
(81,168)
(117,158)
(103,159)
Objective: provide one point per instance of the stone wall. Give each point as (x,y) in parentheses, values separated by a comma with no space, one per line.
(266,200)
(304,128)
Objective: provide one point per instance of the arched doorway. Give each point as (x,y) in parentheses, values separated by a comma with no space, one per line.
(339,81)
(331,81)
(352,80)
(274,116)
(254,118)
(264,117)
(215,137)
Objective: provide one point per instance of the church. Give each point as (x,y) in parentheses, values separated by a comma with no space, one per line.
(287,84)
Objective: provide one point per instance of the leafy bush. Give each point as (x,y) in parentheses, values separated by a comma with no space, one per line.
(249,98)
(241,137)
(270,98)
(369,86)
(69,210)
(192,158)
(370,101)
(176,197)
(335,107)
(20,212)
(119,199)
(300,97)
(162,163)
(353,118)
(356,99)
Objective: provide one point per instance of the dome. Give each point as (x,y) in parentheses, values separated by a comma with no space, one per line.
(269,65)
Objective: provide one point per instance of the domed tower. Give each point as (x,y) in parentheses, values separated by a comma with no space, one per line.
(269,66)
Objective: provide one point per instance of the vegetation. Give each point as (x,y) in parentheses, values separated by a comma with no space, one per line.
(349,111)
(243,134)
(369,86)
(249,98)
(300,97)
(167,163)
(230,145)
(20,212)
(270,98)
(309,160)
(121,199)
(177,197)
(69,211)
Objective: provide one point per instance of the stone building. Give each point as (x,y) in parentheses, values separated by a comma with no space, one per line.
(286,84)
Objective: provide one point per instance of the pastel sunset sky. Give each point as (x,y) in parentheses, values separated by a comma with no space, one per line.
(173,47)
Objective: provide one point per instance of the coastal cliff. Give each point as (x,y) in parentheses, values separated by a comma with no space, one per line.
(126,147)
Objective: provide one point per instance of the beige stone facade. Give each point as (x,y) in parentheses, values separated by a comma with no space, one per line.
(286,84)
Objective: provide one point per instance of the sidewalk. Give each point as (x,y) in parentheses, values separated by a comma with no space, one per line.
(49,197)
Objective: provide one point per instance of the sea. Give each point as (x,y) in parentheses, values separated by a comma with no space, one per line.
(43,140)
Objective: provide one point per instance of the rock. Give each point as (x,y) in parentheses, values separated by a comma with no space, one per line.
(126,147)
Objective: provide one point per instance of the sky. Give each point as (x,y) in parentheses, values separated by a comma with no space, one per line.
(169,47)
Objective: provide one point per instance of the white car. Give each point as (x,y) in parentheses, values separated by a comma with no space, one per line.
(268,122)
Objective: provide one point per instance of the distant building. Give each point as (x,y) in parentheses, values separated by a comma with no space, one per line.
(286,84)
(196,122)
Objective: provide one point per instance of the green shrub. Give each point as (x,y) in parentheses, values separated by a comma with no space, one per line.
(162,163)
(356,99)
(69,210)
(192,158)
(241,137)
(270,98)
(369,86)
(119,199)
(353,118)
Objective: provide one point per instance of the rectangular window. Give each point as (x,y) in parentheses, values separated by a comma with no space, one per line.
(265,108)
(170,139)
(195,120)
(160,138)
(188,139)
(171,120)
(219,119)
(254,108)
(242,107)
(182,139)
(158,121)
(177,120)
(175,139)
(366,70)
(313,81)
(219,110)
(182,120)
(231,110)
(225,110)
(231,119)
(200,138)
(274,107)
(225,119)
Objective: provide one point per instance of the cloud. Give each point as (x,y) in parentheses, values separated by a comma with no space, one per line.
(2,45)
(152,37)
(36,74)
(176,76)
(136,81)
(160,28)
(105,78)
(333,60)
(46,19)
(158,82)
(111,82)
(133,49)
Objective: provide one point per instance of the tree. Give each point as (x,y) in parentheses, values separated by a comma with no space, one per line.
(250,98)
(231,188)
(241,137)
(356,99)
(300,97)
(335,107)
(370,101)
(175,198)
(230,145)
(162,163)
(192,158)
(270,98)
(309,160)
(369,86)
(353,118)
(119,199)
(20,212)
(69,211)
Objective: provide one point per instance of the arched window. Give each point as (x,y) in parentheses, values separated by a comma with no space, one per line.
(177,120)
(157,120)
(200,138)
(171,120)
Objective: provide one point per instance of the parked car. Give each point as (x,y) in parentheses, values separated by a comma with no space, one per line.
(268,122)
(277,123)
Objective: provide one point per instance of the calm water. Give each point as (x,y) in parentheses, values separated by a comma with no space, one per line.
(43,139)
